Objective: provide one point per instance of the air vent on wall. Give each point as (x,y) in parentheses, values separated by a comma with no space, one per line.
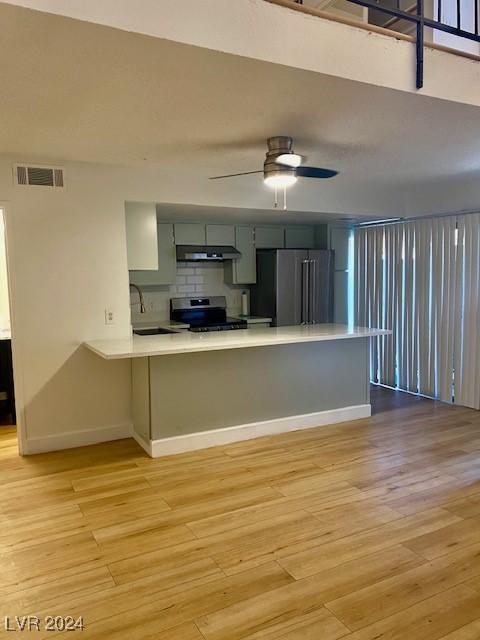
(38,176)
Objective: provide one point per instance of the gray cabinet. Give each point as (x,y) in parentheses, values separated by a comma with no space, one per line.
(220,234)
(321,236)
(339,241)
(141,228)
(189,233)
(340,244)
(340,296)
(269,237)
(243,270)
(167,261)
(300,237)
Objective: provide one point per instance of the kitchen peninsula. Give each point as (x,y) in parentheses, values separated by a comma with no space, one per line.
(193,390)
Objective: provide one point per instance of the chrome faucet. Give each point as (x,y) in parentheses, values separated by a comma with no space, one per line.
(141,300)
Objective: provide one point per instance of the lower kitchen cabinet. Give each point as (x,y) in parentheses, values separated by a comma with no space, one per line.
(244,269)
(167,260)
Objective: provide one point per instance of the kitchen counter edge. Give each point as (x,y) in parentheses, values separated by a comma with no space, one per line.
(186,342)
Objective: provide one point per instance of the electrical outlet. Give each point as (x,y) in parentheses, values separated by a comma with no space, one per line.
(109,316)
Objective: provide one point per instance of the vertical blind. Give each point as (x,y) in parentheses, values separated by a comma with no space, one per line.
(421,279)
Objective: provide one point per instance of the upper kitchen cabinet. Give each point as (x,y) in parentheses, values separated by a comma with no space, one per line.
(321,236)
(269,237)
(339,242)
(167,260)
(220,235)
(142,244)
(190,233)
(300,238)
(243,270)
(340,297)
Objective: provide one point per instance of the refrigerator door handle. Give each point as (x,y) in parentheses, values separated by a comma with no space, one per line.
(305,291)
(313,290)
(309,297)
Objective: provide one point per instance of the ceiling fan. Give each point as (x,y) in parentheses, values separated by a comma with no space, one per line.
(283,166)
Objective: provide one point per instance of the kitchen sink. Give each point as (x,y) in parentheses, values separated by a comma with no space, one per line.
(153,331)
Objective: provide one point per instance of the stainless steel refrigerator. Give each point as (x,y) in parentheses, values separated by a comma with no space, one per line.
(294,286)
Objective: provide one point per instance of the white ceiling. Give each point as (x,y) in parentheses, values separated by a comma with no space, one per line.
(77,91)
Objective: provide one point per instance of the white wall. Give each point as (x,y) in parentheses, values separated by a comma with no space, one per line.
(67,254)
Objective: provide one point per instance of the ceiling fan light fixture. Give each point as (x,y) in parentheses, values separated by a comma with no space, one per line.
(289,159)
(280,180)
(282,166)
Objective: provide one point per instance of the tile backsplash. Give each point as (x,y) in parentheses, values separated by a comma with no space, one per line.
(193,278)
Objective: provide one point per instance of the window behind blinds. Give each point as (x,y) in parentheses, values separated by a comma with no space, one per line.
(421,280)
(467,314)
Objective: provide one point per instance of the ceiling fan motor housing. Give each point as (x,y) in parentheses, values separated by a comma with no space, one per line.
(277,146)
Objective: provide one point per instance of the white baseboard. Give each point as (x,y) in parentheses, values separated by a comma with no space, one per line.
(214,437)
(145,444)
(76,439)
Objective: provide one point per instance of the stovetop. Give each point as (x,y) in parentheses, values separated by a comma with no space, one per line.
(204,314)
(230,325)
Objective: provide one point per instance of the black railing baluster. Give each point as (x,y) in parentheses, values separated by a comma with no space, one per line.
(419,44)
(476,16)
(439,11)
(459,20)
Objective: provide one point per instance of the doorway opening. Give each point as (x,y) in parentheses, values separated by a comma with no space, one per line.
(7,389)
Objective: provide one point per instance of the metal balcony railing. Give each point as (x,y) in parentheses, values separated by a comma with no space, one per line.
(415,15)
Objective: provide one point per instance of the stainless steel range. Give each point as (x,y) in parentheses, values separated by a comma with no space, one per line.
(204,314)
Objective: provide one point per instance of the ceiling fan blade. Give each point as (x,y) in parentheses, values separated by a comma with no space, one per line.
(315,172)
(234,175)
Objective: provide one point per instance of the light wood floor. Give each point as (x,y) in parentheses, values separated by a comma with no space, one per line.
(368,530)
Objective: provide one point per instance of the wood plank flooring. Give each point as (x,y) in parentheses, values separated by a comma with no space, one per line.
(368,530)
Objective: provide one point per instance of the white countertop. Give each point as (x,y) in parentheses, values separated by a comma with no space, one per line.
(189,342)
(5,334)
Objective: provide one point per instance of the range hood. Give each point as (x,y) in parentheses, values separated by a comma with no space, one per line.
(201,253)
